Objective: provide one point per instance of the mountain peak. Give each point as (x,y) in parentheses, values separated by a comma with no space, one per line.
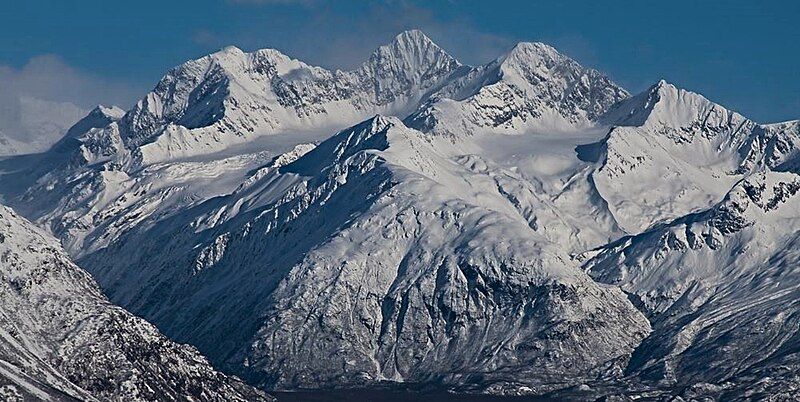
(531,53)
(412,35)
(416,49)
(380,122)
(376,124)
(534,47)
(100,116)
(666,104)
(663,83)
(111,112)
(230,49)
(665,88)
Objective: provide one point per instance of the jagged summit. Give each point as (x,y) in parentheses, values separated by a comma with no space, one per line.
(531,52)
(411,55)
(232,96)
(410,41)
(379,121)
(533,87)
(412,35)
(99,117)
(537,62)
(412,38)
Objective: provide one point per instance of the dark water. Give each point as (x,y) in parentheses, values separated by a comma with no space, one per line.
(392,396)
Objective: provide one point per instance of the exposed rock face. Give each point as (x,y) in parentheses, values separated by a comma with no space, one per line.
(718,286)
(776,146)
(62,340)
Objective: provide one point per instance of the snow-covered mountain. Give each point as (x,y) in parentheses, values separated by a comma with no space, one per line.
(720,288)
(532,88)
(62,340)
(670,151)
(299,248)
(777,146)
(524,226)
(231,96)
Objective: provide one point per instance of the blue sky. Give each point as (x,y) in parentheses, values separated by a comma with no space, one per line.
(743,54)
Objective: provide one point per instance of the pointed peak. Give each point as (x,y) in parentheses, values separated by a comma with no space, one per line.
(98,117)
(375,125)
(414,46)
(665,103)
(664,91)
(531,52)
(664,87)
(224,56)
(412,36)
(526,56)
(380,122)
(230,49)
(411,60)
(111,112)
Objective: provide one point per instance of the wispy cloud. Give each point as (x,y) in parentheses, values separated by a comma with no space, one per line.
(46,95)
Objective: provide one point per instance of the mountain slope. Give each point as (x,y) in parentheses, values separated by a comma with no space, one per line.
(720,288)
(62,340)
(669,152)
(777,146)
(303,249)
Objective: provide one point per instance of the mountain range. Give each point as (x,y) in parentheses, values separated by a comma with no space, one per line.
(522,227)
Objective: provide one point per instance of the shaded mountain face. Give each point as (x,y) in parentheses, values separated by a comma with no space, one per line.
(522,227)
(62,339)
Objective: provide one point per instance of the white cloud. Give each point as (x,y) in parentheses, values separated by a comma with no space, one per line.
(43,98)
